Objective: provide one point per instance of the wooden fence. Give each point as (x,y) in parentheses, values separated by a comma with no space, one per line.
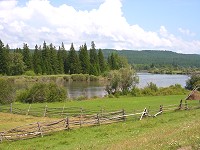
(73,119)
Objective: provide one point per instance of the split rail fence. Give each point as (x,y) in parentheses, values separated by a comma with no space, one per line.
(72,117)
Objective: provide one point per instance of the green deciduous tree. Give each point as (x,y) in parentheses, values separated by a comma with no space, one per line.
(17,65)
(121,80)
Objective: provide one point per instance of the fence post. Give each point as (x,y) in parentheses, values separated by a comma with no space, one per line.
(45,111)
(161,108)
(63,110)
(10,107)
(98,119)
(28,109)
(143,113)
(81,115)
(67,123)
(123,114)
(39,129)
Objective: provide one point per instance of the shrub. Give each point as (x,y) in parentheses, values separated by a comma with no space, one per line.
(67,78)
(79,77)
(93,78)
(30,73)
(193,82)
(41,92)
(7,91)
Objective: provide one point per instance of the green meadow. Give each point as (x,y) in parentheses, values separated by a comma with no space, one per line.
(171,130)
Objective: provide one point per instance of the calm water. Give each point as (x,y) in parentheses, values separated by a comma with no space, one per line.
(76,89)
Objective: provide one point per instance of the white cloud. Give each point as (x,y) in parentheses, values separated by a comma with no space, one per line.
(39,21)
(186,32)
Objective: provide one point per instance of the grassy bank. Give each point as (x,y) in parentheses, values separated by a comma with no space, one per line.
(172,130)
(125,102)
(168,131)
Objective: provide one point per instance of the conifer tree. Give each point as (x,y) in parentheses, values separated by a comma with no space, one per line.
(74,63)
(27,57)
(102,62)
(46,65)
(4,59)
(94,61)
(84,59)
(37,60)
(53,59)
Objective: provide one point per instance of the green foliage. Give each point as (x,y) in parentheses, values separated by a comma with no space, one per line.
(84,59)
(30,73)
(80,77)
(149,57)
(7,91)
(4,59)
(93,78)
(37,60)
(193,82)
(121,80)
(41,92)
(27,58)
(17,65)
(74,63)
(152,90)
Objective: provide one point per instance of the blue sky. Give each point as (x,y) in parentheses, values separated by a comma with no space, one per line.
(118,24)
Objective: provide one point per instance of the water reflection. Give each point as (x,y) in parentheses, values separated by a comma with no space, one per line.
(87,89)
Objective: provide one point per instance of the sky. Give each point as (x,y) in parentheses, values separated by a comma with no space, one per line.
(172,25)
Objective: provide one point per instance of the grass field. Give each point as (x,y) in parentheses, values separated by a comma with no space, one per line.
(172,130)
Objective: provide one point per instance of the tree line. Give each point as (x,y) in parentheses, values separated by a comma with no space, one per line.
(47,60)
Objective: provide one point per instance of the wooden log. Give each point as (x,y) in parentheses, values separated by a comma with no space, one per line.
(67,123)
(98,119)
(39,129)
(143,114)
(1,137)
(123,114)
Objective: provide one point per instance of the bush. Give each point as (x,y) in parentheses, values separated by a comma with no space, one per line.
(7,91)
(30,73)
(193,82)
(41,92)
(93,78)
(79,77)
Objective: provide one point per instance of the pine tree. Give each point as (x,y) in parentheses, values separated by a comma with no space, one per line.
(60,61)
(94,61)
(46,65)
(102,62)
(74,63)
(4,59)
(27,57)
(53,59)
(84,59)
(37,60)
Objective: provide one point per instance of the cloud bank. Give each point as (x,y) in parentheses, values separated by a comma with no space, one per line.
(39,20)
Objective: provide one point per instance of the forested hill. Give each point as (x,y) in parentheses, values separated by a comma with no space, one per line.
(157,57)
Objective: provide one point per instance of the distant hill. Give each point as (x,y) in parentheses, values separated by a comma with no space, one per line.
(157,57)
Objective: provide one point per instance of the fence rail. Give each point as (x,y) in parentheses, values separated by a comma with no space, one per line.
(72,117)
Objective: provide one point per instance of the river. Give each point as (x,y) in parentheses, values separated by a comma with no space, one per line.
(91,89)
